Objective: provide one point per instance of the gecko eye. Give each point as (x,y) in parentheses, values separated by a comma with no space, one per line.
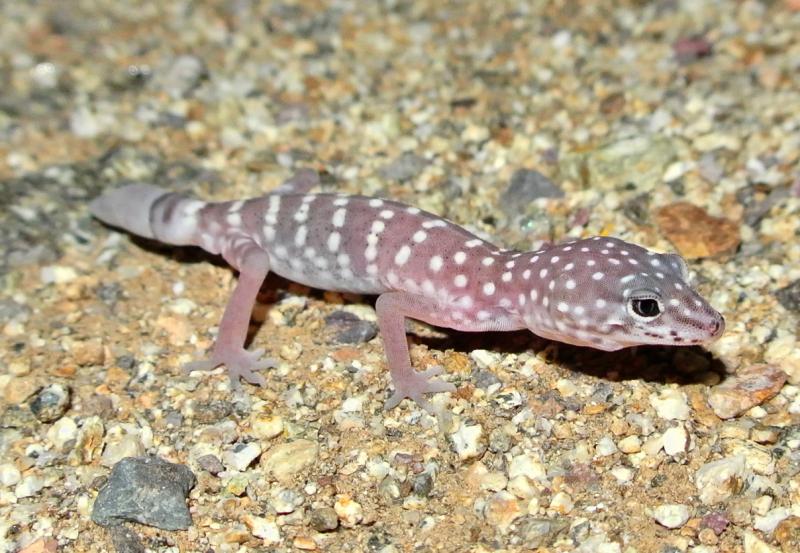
(647,308)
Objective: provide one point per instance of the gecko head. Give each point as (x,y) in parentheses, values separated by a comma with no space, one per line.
(609,294)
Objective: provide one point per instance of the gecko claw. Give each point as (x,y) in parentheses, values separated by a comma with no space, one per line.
(241,365)
(416,386)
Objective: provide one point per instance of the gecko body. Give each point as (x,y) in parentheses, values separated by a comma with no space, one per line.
(598,292)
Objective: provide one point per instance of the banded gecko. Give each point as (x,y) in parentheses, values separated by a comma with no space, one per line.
(599,292)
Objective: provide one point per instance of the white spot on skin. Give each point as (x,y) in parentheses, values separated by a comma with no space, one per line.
(624,252)
(433,223)
(506,277)
(269,233)
(387,213)
(300,237)
(563,307)
(570,284)
(372,269)
(526,274)
(655,263)
(568,248)
(489,288)
(339,217)
(521,299)
(473,243)
(333,241)
(591,263)
(534,295)
(551,285)
(371,253)
(569,266)
(343,259)
(465,302)
(435,264)
(605,252)
(402,255)
(412,210)
(419,236)
(627,278)
(554,259)
(234,219)
(428,287)
(584,250)
(613,260)
(534,259)
(678,286)
(460,281)
(280,251)
(392,278)
(504,302)
(600,303)
(579,310)
(459,258)
(378,227)
(545,301)
(510,264)
(597,276)
(486,261)
(543,273)
(633,262)
(375,202)
(483,315)
(674,303)
(340,202)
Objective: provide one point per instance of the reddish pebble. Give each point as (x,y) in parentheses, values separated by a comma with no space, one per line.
(748,388)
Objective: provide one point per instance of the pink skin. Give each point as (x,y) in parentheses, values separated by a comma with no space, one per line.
(598,292)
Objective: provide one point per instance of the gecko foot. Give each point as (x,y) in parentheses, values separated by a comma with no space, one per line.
(414,385)
(241,365)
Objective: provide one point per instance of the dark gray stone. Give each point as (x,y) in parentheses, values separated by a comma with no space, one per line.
(423,484)
(789,297)
(526,186)
(404,168)
(350,329)
(50,403)
(147,490)
(324,519)
(125,540)
(539,532)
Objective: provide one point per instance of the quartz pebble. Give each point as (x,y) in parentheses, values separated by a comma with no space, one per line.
(240,456)
(675,440)
(264,528)
(672,515)
(283,461)
(719,480)
(468,441)
(670,404)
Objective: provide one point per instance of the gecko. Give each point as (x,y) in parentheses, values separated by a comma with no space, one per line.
(599,292)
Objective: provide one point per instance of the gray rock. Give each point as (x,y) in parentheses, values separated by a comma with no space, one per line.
(182,76)
(526,186)
(324,519)
(349,329)
(423,484)
(211,464)
(539,532)
(404,168)
(148,490)
(789,297)
(125,540)
(50,403)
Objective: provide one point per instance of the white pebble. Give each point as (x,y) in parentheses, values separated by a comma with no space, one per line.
(672,515)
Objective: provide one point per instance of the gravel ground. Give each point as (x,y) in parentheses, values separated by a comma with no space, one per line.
(673,124)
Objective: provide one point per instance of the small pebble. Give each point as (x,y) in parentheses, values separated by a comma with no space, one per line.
(324,519)
(467,441)
(718,481)
(50,403)
(241,456)
(265,426)
(350,512)
(670,404)
(10,475)
(211,464)
(502,509)
(264,528)
(675,440)
(671,516)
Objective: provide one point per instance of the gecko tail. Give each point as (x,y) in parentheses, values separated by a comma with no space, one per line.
(128,207)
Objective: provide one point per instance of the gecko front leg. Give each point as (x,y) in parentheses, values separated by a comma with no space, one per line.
(228,350)
(392,308)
